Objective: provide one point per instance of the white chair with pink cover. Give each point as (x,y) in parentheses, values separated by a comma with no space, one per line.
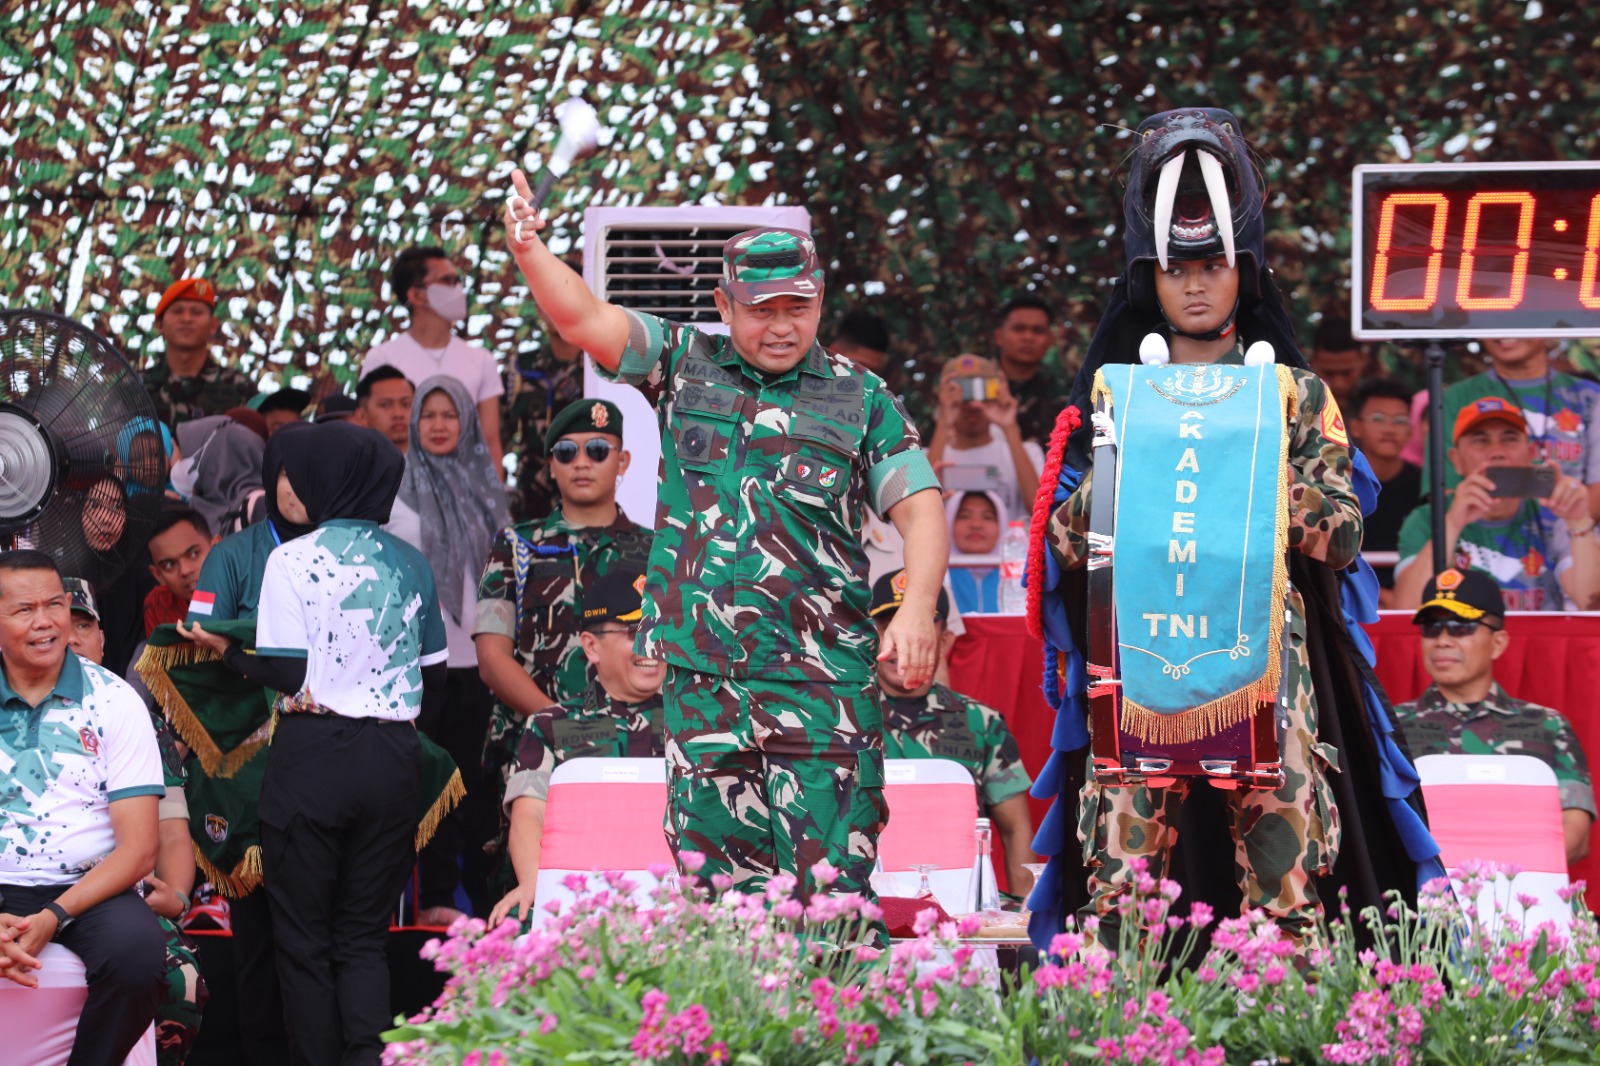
(1504,809)
(37,1025)
(933,804)
(602,815)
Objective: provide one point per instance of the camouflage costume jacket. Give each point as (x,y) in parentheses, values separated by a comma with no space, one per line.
(758,568)
(543,627)
(1324,515)
(943,724)
(211,392)
(597,726)
(1499,725)
(544,388)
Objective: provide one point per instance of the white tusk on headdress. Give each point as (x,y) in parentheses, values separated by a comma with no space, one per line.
(1260,354)
(1217,187)
(1166,197)
(1153,350)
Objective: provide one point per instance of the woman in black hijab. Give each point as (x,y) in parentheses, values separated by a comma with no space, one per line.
(349,630)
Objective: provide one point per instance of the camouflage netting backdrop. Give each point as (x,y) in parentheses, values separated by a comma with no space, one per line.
(952,154)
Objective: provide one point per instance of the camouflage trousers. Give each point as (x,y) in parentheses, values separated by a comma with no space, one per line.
(774,776)
(1282,839)
(183,998)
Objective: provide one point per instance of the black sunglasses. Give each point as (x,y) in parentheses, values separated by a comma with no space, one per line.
(1458,628)
(565,451)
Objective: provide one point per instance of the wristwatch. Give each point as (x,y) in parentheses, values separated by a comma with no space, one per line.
(63,919)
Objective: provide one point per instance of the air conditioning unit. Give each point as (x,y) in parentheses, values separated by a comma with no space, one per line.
(667,260)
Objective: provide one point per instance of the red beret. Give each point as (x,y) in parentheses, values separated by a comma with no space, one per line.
(187,289)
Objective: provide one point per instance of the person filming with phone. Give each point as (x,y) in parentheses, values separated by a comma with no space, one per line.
(976,444)
(1522,521)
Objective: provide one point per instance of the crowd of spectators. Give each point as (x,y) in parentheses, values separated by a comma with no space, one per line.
(509,493)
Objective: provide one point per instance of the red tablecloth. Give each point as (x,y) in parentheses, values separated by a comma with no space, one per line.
(1553,660)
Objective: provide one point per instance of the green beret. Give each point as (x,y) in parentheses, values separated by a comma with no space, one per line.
(584,416)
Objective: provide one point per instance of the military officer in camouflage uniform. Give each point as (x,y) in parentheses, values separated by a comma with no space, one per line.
(526,628)
(933,721)
(1462,626)
(188,383)
(772,450)
(618,716)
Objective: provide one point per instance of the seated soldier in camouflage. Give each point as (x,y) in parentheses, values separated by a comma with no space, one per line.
(619,716)
(526,630)
(932,721)
(1464,712)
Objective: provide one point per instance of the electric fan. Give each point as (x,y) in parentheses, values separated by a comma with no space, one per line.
(82,467)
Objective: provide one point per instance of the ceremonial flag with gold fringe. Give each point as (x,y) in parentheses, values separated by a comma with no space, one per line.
(1201,536)
(226,720)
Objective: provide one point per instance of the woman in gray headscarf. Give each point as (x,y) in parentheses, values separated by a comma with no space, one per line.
(217,469)
(451,506)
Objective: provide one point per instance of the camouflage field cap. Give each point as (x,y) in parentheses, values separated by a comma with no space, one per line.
(82,596)
(759,264)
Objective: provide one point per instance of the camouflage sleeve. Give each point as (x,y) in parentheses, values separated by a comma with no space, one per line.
(497,591)
(647,361)
(1068,534)
(1324,514)
(530,772)
(1571,766)
(1003,773)
(892,452)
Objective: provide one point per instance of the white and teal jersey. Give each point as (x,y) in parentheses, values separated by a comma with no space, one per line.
(360,606)
(1524,555)
(62,764)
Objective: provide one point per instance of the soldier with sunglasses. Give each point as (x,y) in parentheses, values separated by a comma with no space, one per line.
(527,623)
(1462,622)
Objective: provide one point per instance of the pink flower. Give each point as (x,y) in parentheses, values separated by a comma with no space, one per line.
(824,873)
(691,861)
(575,882)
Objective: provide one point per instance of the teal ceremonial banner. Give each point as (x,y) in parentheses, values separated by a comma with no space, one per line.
(1200,571)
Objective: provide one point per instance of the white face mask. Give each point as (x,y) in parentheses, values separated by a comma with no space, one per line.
(449,302)
(185,472)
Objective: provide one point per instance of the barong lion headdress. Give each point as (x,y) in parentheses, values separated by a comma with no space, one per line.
(1192,192)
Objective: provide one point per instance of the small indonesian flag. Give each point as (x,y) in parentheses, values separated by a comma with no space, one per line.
(202,602)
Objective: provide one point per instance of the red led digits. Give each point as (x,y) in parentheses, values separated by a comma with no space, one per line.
(1380,264)
(1591,259)
(1519,261)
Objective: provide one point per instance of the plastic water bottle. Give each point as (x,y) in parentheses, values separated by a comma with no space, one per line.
(1013,557)
(983,894)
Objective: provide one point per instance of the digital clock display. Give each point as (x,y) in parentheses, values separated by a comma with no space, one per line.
(1457,251)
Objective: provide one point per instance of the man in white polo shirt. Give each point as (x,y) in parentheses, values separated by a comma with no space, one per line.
(80,780)
(426,283)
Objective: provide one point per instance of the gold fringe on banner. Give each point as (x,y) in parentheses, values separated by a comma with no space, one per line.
(153,666)
(454,792)
(1225,712)
(245,878)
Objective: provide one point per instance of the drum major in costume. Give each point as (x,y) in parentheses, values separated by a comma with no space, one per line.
(1221,482)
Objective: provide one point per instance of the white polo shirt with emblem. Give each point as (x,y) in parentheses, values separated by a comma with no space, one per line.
(62,764)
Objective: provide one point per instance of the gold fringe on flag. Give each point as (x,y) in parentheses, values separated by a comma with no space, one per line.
(243,880)
(153,666)
(1242,704)
(453,793)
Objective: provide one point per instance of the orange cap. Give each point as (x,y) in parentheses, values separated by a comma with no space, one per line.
(187,289)
(1488,409)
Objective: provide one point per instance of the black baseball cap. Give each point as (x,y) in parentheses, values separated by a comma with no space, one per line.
(296,400)
(618,596)
(889,592)
(1468,594)
(335,407)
